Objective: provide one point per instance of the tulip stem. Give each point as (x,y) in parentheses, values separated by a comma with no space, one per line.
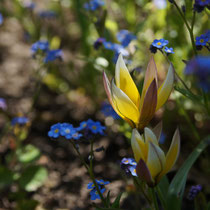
(160,195)
(154,198)
(137,182)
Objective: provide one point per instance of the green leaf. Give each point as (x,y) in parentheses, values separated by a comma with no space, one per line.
(6,177)
(116,203)
(188,94)
(27,204)
(162,190)
(28,154)
(177,186)
(164,185)
(208,206)
(33,178)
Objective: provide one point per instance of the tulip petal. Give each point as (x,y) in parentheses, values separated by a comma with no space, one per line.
(166,88)
(157,130)
(155,160)
(150,136)
(172,154)
(138,145)
(123,104)
(109,95)
(149,105)
(107,88)
(125,82)
(150,75)
(144,173)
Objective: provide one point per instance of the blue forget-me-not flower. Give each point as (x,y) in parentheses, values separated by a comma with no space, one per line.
(125,37)
(93,193)
(159,43)
(200,67)
(169,50)
(20,121)
(129,166)
(52,55)
(1,18)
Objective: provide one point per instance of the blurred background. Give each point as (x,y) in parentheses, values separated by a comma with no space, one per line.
(37,172)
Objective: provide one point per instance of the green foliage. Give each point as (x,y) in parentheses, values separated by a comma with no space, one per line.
(6,177)
(27,204)
(28,154)
(32,178)
(177,186)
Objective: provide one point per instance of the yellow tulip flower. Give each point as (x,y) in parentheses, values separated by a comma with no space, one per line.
(125,99)
(152,164)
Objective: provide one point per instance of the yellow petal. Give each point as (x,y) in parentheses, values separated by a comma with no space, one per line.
(149,137)
(123,104)
(138,145)
(108,92)
(155,160)
(149,105)
(166,88)
(172,154)
(125,82)
(150,75)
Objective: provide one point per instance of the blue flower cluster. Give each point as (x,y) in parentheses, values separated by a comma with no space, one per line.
(200,5)
(68,131)
(93,193)
(1,19)
(3,104)
(159,44)
(20,121)
(107,110)
(124,37)
(129,166)
(64,129)
(93,5)
(194,190)
(43,47)
(200,67)
(51,55)
(94,127)
(203,40)
(99,42)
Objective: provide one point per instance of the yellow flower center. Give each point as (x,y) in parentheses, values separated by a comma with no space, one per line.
(75,134)
(56,130)
(94,127)
(159,43)
(201,41)
(67,130)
